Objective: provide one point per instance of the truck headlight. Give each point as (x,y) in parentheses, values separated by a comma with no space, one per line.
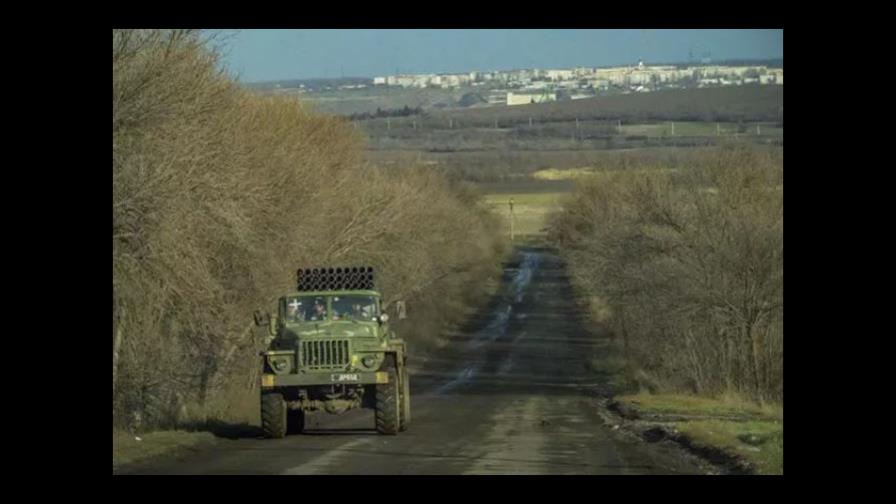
(281,364)
(369,361)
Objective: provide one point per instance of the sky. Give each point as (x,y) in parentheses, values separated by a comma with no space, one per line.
(264,55)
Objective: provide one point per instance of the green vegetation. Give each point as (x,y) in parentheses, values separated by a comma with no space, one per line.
(761,443)
(220,194)
(723,406)
(739,427)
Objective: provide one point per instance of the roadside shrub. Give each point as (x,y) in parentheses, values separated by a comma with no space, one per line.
(690,262)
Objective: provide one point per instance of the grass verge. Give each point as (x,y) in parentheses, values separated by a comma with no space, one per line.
(128,448)
(754,433)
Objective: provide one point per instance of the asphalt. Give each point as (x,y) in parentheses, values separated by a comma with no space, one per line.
(510,396)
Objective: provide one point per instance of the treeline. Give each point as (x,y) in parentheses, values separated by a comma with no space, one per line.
(220,194)
(402,112)
(686,265)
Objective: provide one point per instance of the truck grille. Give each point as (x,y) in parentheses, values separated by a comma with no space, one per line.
(325,354)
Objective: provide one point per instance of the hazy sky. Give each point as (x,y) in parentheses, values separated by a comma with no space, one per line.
(259,55)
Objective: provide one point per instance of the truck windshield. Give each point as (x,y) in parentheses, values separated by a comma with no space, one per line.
(305,308)
(319,308)
(353,307)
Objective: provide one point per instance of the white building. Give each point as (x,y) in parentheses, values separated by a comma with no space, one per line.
(556,75)
(527,98)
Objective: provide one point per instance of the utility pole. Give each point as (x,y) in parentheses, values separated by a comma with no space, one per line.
(673,128)
(511,219)
(757,130)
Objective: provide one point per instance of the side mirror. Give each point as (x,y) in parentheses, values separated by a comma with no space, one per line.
(382,319)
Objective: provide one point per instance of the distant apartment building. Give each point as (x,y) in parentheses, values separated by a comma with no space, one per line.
(499,98)
(772,78)
(558,75)
(639,78)
(527,98)
(628,77)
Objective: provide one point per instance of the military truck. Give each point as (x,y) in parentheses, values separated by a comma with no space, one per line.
(330,348)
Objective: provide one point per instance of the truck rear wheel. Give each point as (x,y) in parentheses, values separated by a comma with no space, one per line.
(273,415)
(405,400)
(387,415)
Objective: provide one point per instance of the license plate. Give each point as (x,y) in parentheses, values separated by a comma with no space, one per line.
(344,377)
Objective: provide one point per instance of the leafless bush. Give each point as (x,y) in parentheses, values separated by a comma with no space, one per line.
(219,195)
(689,262)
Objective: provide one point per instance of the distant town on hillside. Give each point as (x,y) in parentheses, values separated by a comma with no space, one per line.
(638,77)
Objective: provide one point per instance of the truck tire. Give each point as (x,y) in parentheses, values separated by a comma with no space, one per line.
(405,400)
(273,415)
(387,414)
(295,421)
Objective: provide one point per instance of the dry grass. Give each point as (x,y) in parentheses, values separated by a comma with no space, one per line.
(129,448)
(530,211)
(562,174)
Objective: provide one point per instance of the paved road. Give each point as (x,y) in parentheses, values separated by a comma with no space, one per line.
(509,400)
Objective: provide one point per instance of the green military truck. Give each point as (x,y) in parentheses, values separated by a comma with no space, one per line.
(331,349)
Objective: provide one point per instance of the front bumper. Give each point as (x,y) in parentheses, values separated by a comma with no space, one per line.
(307,379)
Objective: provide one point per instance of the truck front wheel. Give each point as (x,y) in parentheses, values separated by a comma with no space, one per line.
(387,415)
(273,415)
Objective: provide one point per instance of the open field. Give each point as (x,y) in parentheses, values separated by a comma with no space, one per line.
(529,210)
(369,99)
(747,103)
(502,143)
(703,129)
(496,167)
